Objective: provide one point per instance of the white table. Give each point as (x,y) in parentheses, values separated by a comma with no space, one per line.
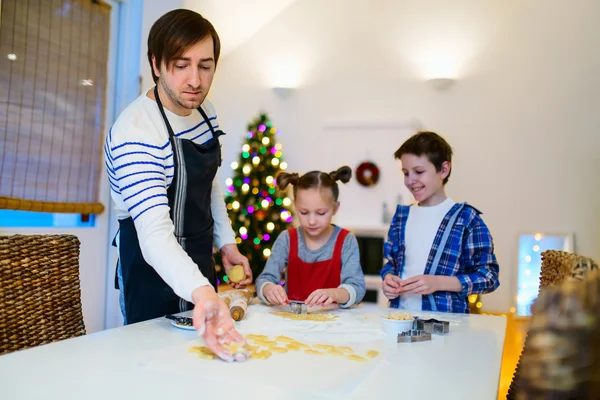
(150,360)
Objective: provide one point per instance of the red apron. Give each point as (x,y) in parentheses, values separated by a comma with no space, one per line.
(304,278)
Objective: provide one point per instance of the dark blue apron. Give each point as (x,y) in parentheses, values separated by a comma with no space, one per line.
(146,295)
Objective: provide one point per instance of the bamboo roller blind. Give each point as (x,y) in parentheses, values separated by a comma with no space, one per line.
(53,78)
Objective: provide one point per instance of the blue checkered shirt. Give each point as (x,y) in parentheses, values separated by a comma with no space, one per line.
(468,254)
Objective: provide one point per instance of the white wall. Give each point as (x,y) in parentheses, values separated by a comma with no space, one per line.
(522,117)
(153,10)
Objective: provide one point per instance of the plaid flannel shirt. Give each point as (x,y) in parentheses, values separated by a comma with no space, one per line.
(468,254)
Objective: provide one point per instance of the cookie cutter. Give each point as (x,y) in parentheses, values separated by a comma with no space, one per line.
(432,325)
(414,335)
(298,307)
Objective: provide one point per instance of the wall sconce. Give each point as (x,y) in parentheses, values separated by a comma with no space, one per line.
(441,84)
(283,92)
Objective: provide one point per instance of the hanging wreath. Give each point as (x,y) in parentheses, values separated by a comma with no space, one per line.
(367,174)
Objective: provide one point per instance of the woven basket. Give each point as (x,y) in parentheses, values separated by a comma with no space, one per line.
(40,296)
(562,359)
(557,267)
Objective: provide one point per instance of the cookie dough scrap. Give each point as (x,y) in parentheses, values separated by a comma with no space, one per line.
(202,352)
(261,355)
(294,346)
(282,338)
(323,346)
(372,353)
(305,317)
(252,336)
(335,352)
(313,352)
(355,357)
(345,349)
(235,348)
(276,349)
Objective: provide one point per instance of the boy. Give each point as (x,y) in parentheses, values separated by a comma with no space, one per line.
(439,252)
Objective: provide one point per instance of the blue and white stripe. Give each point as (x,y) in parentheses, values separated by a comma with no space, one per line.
(139,172)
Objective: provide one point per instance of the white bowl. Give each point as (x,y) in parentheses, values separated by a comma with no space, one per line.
(392,327)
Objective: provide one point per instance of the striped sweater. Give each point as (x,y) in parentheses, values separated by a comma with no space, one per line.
(139,163)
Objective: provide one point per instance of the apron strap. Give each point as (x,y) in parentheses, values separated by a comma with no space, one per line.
(212,130)
(442,246)
(339,245)
(293,233)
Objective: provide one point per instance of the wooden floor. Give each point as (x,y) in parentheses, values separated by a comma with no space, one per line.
(516,329)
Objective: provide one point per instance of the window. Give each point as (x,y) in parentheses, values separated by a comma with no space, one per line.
(53,77)
(32,219)
(530,264)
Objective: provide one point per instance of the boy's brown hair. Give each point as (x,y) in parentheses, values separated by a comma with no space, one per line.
(431,145)
(174,33)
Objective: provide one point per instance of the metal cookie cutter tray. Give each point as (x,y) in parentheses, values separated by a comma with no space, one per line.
(413,336)
(432,326)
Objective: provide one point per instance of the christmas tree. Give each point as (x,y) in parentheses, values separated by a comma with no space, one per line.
(257,210)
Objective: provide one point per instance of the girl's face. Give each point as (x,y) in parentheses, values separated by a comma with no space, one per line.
(424,182)
(315,210)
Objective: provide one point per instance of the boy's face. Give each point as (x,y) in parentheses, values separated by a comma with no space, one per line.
(424,182)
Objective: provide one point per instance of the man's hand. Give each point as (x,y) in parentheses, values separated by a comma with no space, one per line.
(391,286)
(275,294)
(213,322)
(231,256)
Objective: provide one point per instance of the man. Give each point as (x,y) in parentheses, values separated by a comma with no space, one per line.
(162,156)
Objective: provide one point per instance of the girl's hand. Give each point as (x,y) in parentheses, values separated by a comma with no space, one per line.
(322,297)
(391,286)
(275,294)
(420,284)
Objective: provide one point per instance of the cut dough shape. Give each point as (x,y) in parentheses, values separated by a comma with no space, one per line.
(372,353)
(261,355)
(313,352)
(305,317)
(323,346)
(278,349)
(345,349)
(254,337)
(355,357)
(285,339)
(335,352)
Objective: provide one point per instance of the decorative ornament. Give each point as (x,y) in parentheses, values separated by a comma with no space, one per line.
(367,174)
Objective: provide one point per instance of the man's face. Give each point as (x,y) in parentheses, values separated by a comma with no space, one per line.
(187,80)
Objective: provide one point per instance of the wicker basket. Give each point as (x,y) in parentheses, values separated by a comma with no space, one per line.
(557,267)
(40,296)
(562,359)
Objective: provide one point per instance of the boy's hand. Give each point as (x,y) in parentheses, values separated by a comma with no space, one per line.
(322,297)
(275,294)
(420,284)
(391,286)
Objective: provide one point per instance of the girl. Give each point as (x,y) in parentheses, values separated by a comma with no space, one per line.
(322,259)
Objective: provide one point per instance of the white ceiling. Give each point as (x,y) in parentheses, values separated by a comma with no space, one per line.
(236,21)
